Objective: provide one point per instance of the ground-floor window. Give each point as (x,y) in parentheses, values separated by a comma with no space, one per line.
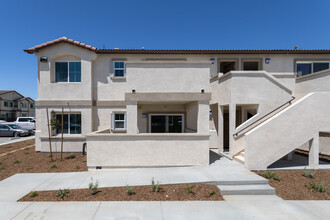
(71,123)
(118,121)
(24,115)
(166,123)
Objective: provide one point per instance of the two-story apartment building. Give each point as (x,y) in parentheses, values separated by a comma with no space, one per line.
(138,108)
(13,105)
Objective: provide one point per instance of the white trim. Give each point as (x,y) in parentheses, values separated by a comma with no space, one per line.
(166,121)
(113,121)
(67,61)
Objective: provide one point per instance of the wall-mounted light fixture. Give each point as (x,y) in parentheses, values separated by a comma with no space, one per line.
(133,90)
(212,60)
(43,59)
(202,91)
(267,60)
(144,115)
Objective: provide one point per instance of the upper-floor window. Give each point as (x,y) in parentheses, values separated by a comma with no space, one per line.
(308,67)
(250,65)
(8,104)
(31,105)
(119,69)
(23,105)
(68,71)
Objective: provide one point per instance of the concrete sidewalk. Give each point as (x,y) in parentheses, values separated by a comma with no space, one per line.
(11,140)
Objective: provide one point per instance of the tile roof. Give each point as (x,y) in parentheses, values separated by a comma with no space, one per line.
(59,40)
(5,91)
(160,51)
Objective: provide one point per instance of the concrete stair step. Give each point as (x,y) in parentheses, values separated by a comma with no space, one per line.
(258,189)
(244,182)
(239,159)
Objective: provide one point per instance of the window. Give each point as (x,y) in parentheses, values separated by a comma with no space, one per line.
(119,69)
(227,66)
(118,121)
(31,105)
(71,123)
(308,67)
(24,114)
(67,71)
(8,104)
(250,65)
(23,105)
(23,119)
(16,104)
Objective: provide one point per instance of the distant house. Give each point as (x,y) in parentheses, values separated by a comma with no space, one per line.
(13,105)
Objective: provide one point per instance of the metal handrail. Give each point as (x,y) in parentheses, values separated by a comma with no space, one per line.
(236,134)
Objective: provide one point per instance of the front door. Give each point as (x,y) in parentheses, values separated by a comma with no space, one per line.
(166,123)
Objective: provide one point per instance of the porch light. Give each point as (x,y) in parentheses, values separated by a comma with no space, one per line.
(144,115)
(202,91)
(133,90)
(267,60)
(43,59)
(210,113)
(212,60)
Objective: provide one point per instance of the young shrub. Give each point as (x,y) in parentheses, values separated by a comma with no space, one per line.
(53,166)
(33,194)
(153,186)
(17,162)
(308,173)
(62,193)
(318,187)
(93,188)
(1,166)
(190,190)
(71,156)
(271,175)
(77,167)
(212,193)
(129,190)
(157,187)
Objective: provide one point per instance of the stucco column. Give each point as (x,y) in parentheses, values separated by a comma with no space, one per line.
(232,126)
(313,157)
(203,126)
(220,128)
(131,112)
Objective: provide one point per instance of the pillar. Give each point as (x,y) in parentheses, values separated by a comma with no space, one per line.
(313,157)
(131,117)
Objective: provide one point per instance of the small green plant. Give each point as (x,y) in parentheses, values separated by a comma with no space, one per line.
(129,190)
(157,187)
(62,193)
(17,162)
(84,161)
(308,173)
(190,190)
(71,156)
(26,153)
(8,154)
(212,193)
(33,194)
(26,148)
(2,166)
(93,188)
(318,187)
(77,167)
(53,166)
(271,175)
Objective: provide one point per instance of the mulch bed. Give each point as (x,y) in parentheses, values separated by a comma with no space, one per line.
(292,184)
(178,192)
(30,161)
(15,146)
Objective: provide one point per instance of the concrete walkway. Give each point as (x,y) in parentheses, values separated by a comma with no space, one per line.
(11,140)
(222,172)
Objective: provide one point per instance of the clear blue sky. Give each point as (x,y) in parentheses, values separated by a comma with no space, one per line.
(153,24)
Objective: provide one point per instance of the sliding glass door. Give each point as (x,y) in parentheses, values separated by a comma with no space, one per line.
(166,123)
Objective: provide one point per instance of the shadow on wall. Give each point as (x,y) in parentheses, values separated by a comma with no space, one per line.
(214,157)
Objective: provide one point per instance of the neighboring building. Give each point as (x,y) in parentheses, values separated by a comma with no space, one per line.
(138,108)
(13,105)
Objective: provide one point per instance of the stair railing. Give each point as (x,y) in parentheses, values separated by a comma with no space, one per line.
(236,134)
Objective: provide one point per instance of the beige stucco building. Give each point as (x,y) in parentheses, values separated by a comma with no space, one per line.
(13,105)
(139,108)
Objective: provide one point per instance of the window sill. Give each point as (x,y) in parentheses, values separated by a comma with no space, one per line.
(118,130)
(118,77)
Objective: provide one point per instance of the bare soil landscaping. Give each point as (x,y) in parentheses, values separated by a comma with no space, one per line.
(177,192)
(292,185)
(15,146)
(30,161)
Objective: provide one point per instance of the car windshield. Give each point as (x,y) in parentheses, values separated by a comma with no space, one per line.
(15,126)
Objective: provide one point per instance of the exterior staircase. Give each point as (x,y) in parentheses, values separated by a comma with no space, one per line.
(240,157)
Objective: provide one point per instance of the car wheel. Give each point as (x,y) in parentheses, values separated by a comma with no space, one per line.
(16,134)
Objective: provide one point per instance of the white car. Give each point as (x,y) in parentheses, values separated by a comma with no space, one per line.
(28,123)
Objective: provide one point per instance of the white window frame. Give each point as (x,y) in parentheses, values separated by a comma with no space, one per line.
(9,104)
(114,69)
(166,121)
(312,64)
(25,106)
(67,61)
(113,121)
(73,113)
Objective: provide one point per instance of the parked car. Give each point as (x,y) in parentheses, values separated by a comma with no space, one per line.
(14,126)
(14,130)
(28,123)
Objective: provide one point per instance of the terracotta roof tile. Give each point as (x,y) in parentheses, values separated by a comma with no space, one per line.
(62,39)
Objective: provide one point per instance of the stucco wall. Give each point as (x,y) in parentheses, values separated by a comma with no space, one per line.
(147,150)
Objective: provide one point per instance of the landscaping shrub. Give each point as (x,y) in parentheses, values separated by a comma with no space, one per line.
(77,167)
(71,156)
(53,166)
(212,193)
(129,190)
(190,190)
(33,194)
(93,188)
(308,173)
(62,193)
(318,187)
(271,175)
(17,162)
(155,187)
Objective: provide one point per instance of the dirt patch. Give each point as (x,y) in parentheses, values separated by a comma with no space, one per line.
(29,161)
(292,184)
(178,192)
(15,146)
